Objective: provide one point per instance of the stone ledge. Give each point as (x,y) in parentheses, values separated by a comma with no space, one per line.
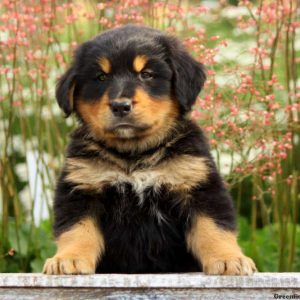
(183,280)
(148,286)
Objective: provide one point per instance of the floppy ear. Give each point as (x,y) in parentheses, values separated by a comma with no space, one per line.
(188,75)
(65,91)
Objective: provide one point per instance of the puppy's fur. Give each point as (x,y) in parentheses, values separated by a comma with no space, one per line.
(139,191)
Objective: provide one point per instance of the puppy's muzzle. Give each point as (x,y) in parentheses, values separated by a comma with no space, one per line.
(122,107)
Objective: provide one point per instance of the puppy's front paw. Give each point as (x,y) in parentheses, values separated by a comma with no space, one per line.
(59,265)
(231,265)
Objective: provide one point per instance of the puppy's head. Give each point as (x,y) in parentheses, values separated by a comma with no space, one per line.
(130,83)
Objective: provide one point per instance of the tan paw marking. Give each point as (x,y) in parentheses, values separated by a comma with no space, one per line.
(59,265)
(239,265)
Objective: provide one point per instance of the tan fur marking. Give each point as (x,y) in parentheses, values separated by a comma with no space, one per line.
(95,114)
(159,114)
(105,64)
(78,250)
(71,96)
(181,174)
(92,175)
(139,62)
(217,249)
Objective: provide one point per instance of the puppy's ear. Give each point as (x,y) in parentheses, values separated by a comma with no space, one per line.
(188,75)
(65,91)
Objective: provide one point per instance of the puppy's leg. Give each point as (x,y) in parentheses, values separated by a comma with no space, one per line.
(78,250)
(217,249)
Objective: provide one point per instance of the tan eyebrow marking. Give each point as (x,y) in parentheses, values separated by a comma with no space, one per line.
(139,62)
(104,64)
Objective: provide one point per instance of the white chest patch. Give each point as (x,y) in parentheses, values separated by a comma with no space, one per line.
(180,173)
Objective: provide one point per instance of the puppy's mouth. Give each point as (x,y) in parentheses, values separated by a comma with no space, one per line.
(127,125)
(128,129)
(123,125)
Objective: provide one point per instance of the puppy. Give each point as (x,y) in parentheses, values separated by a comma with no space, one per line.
(139,191)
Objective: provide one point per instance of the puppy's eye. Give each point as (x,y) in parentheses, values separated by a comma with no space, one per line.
(102,76)
(146,75)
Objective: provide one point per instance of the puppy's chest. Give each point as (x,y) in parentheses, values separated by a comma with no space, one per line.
(144,194)
(179,175)
(124,205)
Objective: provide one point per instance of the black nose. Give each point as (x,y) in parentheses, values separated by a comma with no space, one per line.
(121,109)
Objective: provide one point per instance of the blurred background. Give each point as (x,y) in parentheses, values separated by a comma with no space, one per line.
(249,109)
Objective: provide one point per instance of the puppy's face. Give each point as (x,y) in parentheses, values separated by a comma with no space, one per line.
(126,94)
(130,83)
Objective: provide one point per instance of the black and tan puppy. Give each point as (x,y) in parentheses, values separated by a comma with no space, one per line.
(139,191)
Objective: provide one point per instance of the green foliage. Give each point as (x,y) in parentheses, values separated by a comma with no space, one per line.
(263,245)
(26,248)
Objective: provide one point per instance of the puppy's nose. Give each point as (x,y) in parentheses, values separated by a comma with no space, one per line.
(121,108)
